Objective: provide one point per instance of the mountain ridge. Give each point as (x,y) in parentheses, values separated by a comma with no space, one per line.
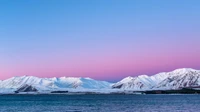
(174,80)
(162,81)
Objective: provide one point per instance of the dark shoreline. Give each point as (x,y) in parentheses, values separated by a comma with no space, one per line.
(180,91)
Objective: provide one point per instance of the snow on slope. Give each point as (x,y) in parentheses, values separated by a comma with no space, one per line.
(180,78)
(142,82)
(176,79)
(50,84)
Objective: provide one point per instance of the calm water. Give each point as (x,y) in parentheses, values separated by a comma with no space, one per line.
(100,103)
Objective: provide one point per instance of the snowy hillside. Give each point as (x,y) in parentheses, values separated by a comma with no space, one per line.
(50,84)
(142,82)
(180,78)
(176,79)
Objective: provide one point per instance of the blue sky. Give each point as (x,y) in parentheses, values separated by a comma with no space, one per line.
(61,33)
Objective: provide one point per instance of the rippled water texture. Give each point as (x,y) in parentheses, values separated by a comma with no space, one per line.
(100,103)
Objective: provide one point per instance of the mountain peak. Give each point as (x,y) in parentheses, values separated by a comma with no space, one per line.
(183,77)
(126,79)
(177,79)
(54,83)
(184,70)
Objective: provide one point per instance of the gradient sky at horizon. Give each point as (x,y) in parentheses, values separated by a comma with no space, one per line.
(106,40)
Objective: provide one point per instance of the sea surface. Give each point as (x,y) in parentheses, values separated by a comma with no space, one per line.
(100,103)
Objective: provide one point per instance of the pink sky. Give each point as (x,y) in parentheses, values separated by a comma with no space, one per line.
(99,39)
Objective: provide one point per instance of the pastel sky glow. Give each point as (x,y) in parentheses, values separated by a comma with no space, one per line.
(105,40)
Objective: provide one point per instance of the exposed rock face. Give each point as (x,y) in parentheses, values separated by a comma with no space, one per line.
(26,88)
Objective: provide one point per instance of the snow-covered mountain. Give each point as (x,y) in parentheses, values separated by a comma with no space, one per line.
(180,78)
(142,82)
(176,79)
(51,84)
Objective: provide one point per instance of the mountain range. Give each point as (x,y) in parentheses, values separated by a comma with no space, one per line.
(174,80)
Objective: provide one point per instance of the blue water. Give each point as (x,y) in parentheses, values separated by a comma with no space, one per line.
(100,103)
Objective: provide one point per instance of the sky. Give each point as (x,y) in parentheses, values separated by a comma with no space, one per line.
(101,39)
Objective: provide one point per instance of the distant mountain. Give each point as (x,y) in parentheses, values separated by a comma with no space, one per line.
(142,82)
(175,80)
(180,78)
(50,84)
